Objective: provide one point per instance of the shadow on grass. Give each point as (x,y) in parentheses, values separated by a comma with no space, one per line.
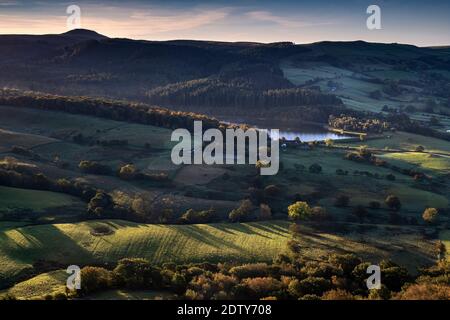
(28,245)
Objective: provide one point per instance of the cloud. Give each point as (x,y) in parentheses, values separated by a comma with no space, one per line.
(9,3)
(115,21)
(286,22)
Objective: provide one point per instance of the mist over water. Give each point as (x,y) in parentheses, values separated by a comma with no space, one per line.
(307,132)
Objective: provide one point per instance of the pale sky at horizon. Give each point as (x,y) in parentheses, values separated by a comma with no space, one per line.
(413,22)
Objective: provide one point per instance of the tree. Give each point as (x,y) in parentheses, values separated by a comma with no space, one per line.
(100,203)
(420,149)
(299,211)
(337,294)
(127,172)
(310,285)
(393,202)
(315,168)
(94,167)
(342,201)
(95,279)
(430,215)
(265,213)
(192,216)
(241,213)
(137,274)
(271,190)
(346,262)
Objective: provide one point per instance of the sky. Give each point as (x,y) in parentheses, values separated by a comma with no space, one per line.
(422,23)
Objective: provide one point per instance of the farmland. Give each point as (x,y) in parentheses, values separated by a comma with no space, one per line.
(90,182)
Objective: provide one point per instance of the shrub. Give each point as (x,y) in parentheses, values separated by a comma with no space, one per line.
(310,285)
(95,279)
(94,167)
(262,286)
(100,203)
(299,211)
(430,215)
(272,190)
(252,270)
(127,172)
(137,273)
(393,276)
(420,149)
(337,294)
(425,291)
(393,202)
(315,168)
(192,216)
(242,213)
(346,262)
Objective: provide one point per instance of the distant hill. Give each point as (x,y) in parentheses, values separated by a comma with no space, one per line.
(83,62)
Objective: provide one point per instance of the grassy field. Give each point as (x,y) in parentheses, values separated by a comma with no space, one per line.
(74,243)
(51,283)
(445,238)
(17,199)
(439,165)
(37,287)
(409,142)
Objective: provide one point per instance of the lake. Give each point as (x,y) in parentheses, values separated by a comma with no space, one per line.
(289,130)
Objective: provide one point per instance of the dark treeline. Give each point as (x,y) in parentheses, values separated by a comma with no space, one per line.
(370,122)
(217,93)
(349,123)
(110,109)
(340,277)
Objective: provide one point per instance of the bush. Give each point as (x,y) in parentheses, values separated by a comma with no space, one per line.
(299,211)
(99,204)
(242,213)
(337,294)
(192,216)
(252,270)
(310,285)
(430,215)
(127,172)
(95,279)
(137,274)
(93,167)
(393,276)
(425,291)
(261,286)
(272,190)
(346,262)
(393,202)
(315,168)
